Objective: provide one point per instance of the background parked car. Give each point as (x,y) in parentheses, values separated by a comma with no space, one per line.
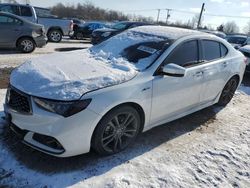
(55,28)
(100,35)
(246,51)
(17,32)
(217,33)
(237,40)
(86,30)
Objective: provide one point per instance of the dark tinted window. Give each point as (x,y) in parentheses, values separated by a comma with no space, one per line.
(6,20)
(186,54)
(211,50)
(25,11)
(10,8)
(224,50)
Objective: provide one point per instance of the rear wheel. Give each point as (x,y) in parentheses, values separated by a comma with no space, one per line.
(116,131)
(228,91)
(55,35)
(26,45)
(79,35)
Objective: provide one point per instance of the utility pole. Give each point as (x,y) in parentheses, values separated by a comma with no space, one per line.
(202,10)
(159,10)
(168,15)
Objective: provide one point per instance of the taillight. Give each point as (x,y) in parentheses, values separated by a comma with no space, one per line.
(246,61)
(71,26)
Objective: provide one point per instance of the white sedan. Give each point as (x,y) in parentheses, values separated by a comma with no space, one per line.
(66,103)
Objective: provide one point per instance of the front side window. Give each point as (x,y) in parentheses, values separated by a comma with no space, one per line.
(6,20)
(186,54)
(211,50)
(25,11)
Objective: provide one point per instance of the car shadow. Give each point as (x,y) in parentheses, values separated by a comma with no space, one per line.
(9,51)
(85,166)
(246,80)
(68,49)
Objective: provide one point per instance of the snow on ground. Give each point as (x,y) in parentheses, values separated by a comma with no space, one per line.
(209,148)
(12,58)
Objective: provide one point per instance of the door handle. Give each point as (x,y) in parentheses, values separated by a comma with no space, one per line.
(16,29)
(225,64)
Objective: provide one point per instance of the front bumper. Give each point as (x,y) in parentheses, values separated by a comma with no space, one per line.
(73,134)
(41,41)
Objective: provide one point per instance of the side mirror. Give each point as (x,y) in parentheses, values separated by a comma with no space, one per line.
(173,70)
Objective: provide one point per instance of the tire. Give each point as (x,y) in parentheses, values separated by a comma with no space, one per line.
(55,35)
(26,45)
(116,130)
(79,35)
(228,91)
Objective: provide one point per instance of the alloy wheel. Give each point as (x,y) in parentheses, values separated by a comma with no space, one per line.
(228,91)
(27,45)
(55,36)
(119,132)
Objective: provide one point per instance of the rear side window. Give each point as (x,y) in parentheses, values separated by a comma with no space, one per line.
(223,50)
(211,50)
(6,20)
(187,54)
(13,9)
(25,11)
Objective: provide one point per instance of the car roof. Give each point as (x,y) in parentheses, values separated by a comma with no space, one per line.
(168,32)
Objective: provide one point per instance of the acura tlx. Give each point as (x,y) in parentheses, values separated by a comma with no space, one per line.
(63,104)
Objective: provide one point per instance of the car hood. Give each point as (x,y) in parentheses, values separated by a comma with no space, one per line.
(69,75)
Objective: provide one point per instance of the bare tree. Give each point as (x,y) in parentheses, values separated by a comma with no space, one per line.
(247,28)
(193,23)
(231,27)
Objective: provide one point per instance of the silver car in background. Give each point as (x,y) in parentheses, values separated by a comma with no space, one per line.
(16,32)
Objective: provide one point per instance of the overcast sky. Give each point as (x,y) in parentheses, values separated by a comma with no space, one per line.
(142,7)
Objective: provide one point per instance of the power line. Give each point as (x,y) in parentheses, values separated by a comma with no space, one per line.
(190,12)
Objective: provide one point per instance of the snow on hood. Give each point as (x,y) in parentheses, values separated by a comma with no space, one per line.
(67,76)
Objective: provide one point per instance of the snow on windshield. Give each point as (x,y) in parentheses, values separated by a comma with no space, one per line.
(138,48)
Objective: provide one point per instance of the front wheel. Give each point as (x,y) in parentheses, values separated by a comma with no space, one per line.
(26,45)
(116,131)
(228,91)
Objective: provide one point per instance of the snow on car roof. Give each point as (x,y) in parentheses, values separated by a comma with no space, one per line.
(167,32)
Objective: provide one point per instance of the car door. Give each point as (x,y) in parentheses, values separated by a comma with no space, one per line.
(173,96)
(10,30)
(215,69)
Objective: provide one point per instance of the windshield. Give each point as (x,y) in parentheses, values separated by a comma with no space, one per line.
(236,40)
(119,26)
(138,48)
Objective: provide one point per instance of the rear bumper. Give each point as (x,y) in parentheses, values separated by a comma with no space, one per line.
(41,41)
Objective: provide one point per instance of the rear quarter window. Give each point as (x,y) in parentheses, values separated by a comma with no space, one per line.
(211,50)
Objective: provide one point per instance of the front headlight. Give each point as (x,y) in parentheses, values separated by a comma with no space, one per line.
(64,108)
(106,34)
